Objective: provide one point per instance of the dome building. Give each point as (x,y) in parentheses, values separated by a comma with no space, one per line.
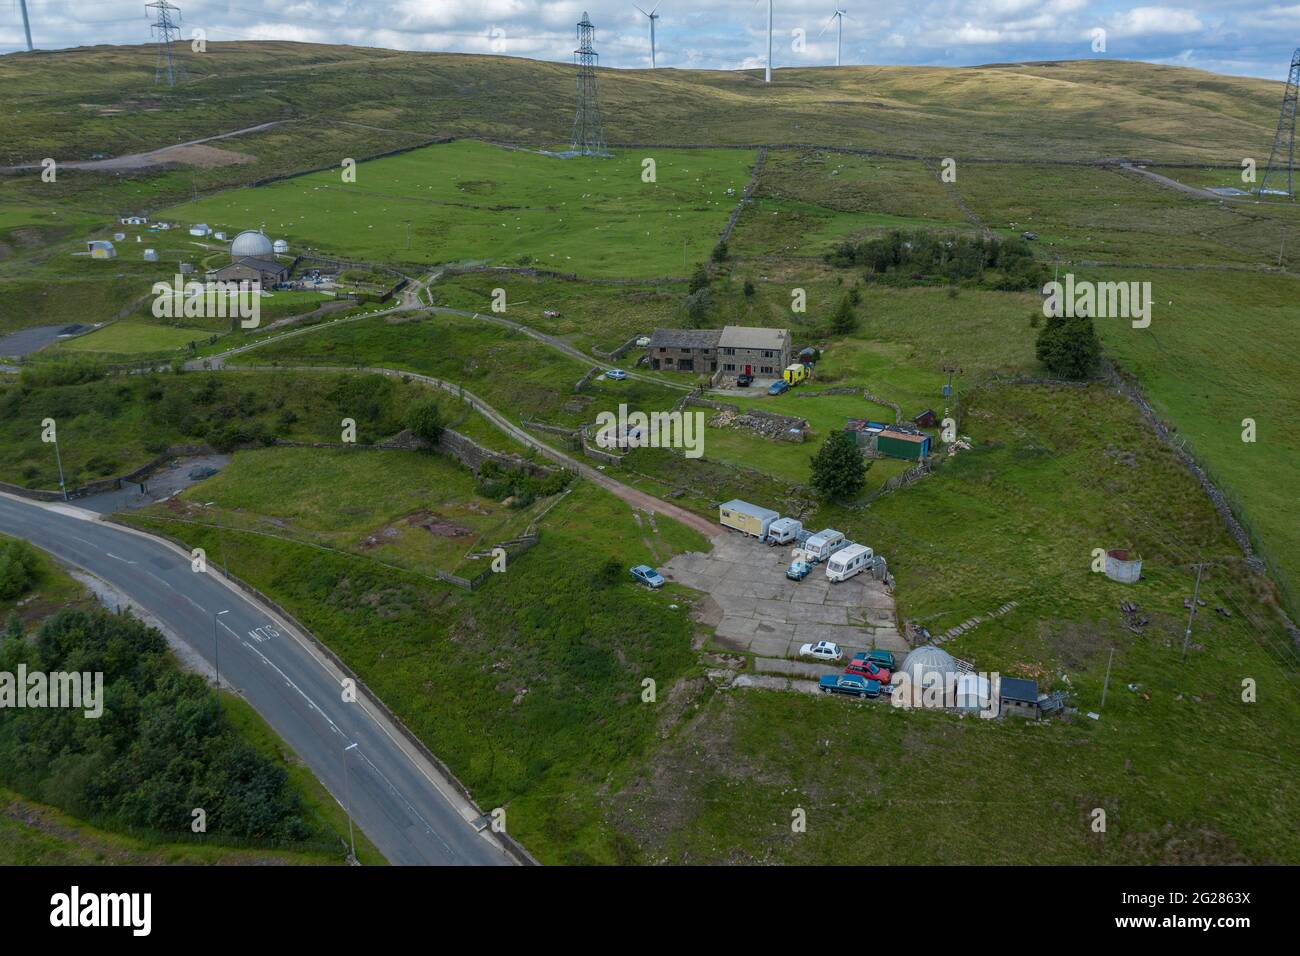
(251,244)
(930,672)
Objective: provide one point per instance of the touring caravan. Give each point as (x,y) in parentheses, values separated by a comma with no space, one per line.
(796,373)
(742,516)
(784,530)
(847,562)
(823,544)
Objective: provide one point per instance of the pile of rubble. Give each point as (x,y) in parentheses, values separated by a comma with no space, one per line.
(1134,617)
(777,427)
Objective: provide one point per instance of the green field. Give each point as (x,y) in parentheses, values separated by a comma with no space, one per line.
(113,426)
(590,216)
(407,509)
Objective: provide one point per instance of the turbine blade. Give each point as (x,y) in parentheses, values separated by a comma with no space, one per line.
(656,7)
(639,10)
(829,21)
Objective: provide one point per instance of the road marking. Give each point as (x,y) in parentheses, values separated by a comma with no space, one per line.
(124,560)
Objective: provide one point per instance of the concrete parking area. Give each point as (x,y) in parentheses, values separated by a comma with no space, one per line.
(767,614)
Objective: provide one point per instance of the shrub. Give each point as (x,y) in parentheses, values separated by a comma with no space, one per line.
(18,568)
(424,419)
(1069,347)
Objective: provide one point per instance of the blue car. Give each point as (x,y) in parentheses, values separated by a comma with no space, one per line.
(617,374)
(776,388)
(648,576)
(798,570)
(850,684)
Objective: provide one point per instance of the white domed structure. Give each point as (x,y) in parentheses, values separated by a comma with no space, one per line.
(281,247)
(929,671)
(251,243)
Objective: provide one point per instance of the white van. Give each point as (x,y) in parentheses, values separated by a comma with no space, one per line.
(823,544)
(847,562)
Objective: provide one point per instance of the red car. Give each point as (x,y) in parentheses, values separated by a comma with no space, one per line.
(868,669)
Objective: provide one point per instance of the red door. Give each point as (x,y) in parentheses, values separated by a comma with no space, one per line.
(749,370)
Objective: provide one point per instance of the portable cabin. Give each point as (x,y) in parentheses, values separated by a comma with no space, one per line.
(847,562)
(897,444)
(742,516)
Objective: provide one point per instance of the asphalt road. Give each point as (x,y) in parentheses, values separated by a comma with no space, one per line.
(398,799)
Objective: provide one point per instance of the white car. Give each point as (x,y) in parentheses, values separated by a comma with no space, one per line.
(822,650)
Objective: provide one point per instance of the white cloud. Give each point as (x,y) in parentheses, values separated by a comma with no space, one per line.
(1252,35)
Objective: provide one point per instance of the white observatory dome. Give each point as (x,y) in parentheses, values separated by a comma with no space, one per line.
(928,667)
(250,243)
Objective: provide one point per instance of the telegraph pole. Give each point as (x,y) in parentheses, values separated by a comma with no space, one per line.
(58,458)
(1106,686)
(1187,635)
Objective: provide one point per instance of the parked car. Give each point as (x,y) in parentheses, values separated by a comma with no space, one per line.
(798,570)
(617,374)
(822,650)
(850,684)
(868,669)
(883,659)
(744,380)
(648,576)
(777,387)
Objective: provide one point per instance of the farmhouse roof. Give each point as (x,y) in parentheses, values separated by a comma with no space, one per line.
(749,337)
(684,339)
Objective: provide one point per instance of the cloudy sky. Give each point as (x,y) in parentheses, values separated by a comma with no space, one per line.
(1244,37)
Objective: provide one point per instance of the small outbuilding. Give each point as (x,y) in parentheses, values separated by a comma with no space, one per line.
(151,255)
(926,419)
(1019,697)
(900,444)
(742,516)
(101,249)
(974,695)
(281,247)
(200,229)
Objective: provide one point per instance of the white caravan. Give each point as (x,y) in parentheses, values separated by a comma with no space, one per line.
(822,545)
(847,562)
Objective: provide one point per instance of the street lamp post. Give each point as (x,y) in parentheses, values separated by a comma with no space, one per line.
(63,488)
(216,647)
(347,788)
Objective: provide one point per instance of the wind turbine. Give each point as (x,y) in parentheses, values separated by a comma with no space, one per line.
(839,34)
(27,27)
(767,71)
(652,17)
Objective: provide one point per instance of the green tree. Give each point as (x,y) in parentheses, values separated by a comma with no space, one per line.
(699,279)
(720,252)
(845,320)
(1068,347)
(424,418)
(698,304)
(838,469)
(17,569)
